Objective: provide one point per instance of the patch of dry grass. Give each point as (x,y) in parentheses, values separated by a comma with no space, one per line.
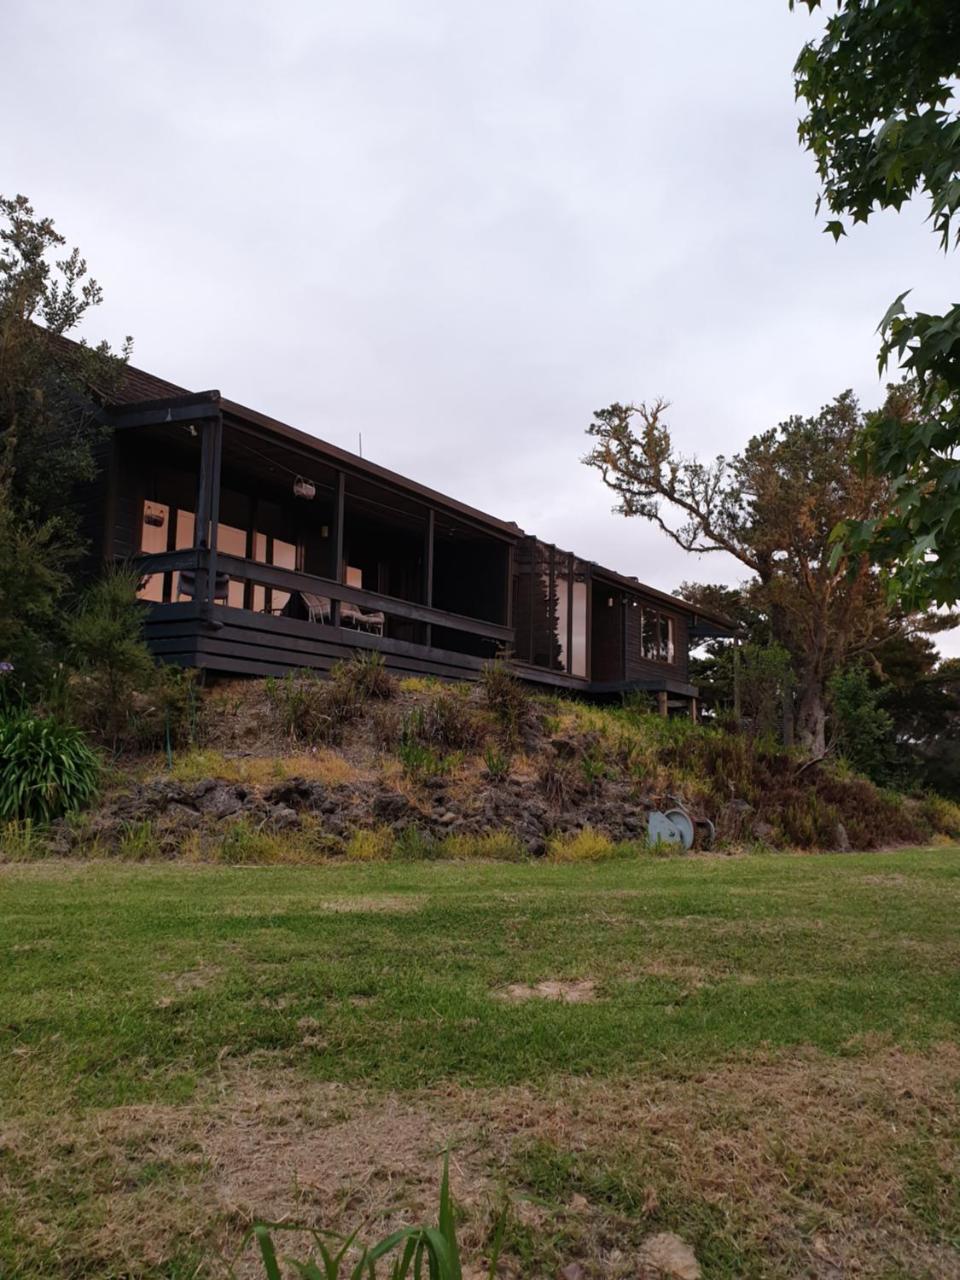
(774,1168)
(321,765)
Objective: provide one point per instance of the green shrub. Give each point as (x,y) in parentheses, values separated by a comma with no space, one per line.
(115,689)
(47,769)
(943,815)
(862,728)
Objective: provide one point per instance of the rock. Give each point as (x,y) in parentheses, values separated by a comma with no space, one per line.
(282,817)
(841,838)
(298,793)
(220,801)
(390,806)
(572,1271)
(565,748)
(667,1257)
(764,832)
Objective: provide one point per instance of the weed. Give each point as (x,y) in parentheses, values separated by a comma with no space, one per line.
(413,844)
(506,697)
(500,846)
(370,844)
(22,841)
(942,814)
(411,1248)
(418,684)
(497,764)
(137,841)
(364,676)
(583,846)
(445,723)
(315,710)
(243,842)
(421,762)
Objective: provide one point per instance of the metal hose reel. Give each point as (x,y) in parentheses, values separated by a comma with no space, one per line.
(675,826)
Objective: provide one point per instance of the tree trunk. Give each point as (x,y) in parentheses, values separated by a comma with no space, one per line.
(811,715)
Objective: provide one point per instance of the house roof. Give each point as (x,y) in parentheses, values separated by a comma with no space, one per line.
(139,387)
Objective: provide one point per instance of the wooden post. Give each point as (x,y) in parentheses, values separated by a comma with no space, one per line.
(337,573)
(693,710)
(736,679)
(208,512)
(663,704)
(428,572)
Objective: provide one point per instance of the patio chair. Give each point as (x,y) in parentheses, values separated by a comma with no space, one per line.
(187,585)
(362,619)
(317,607)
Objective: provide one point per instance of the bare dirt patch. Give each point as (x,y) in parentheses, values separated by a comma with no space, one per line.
(581,992)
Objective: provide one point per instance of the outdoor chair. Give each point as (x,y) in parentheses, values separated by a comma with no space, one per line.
(187,585)
(317,607)
(362,619)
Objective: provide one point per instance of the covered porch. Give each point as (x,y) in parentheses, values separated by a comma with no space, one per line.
(263,549)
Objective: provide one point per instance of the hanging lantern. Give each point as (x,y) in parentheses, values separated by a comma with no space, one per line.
(304,488)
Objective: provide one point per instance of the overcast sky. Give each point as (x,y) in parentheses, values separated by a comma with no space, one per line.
(460,226)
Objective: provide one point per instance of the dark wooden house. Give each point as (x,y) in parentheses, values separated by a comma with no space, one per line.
(265,549)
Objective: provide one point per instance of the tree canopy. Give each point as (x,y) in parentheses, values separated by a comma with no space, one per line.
(49,425)
(882,124)
(773,507)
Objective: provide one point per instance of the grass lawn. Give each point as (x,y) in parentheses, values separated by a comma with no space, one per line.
(766,1062)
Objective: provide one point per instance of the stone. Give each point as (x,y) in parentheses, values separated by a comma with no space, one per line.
(841,838)
(220,801)
(282,817)
(666,1257)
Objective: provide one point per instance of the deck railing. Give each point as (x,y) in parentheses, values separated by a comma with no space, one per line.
(268,575)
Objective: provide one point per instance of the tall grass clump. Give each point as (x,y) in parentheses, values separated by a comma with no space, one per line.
(418,1251)
(507,699)
(47,769)
(365,675)
(582,846)
(314,710)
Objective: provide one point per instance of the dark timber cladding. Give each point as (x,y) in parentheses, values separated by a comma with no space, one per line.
(264,549)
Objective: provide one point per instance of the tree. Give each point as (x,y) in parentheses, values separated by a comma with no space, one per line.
(773,507)
(882,125)
(49,426)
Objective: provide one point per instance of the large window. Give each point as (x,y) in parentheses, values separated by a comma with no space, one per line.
(656,636)
(550,608)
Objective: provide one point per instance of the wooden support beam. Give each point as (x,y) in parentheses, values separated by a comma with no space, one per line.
(694,711)
(428,570)
(663,703)
(336,572)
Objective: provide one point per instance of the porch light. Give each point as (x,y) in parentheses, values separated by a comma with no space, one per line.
(153,517)
(304,488)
